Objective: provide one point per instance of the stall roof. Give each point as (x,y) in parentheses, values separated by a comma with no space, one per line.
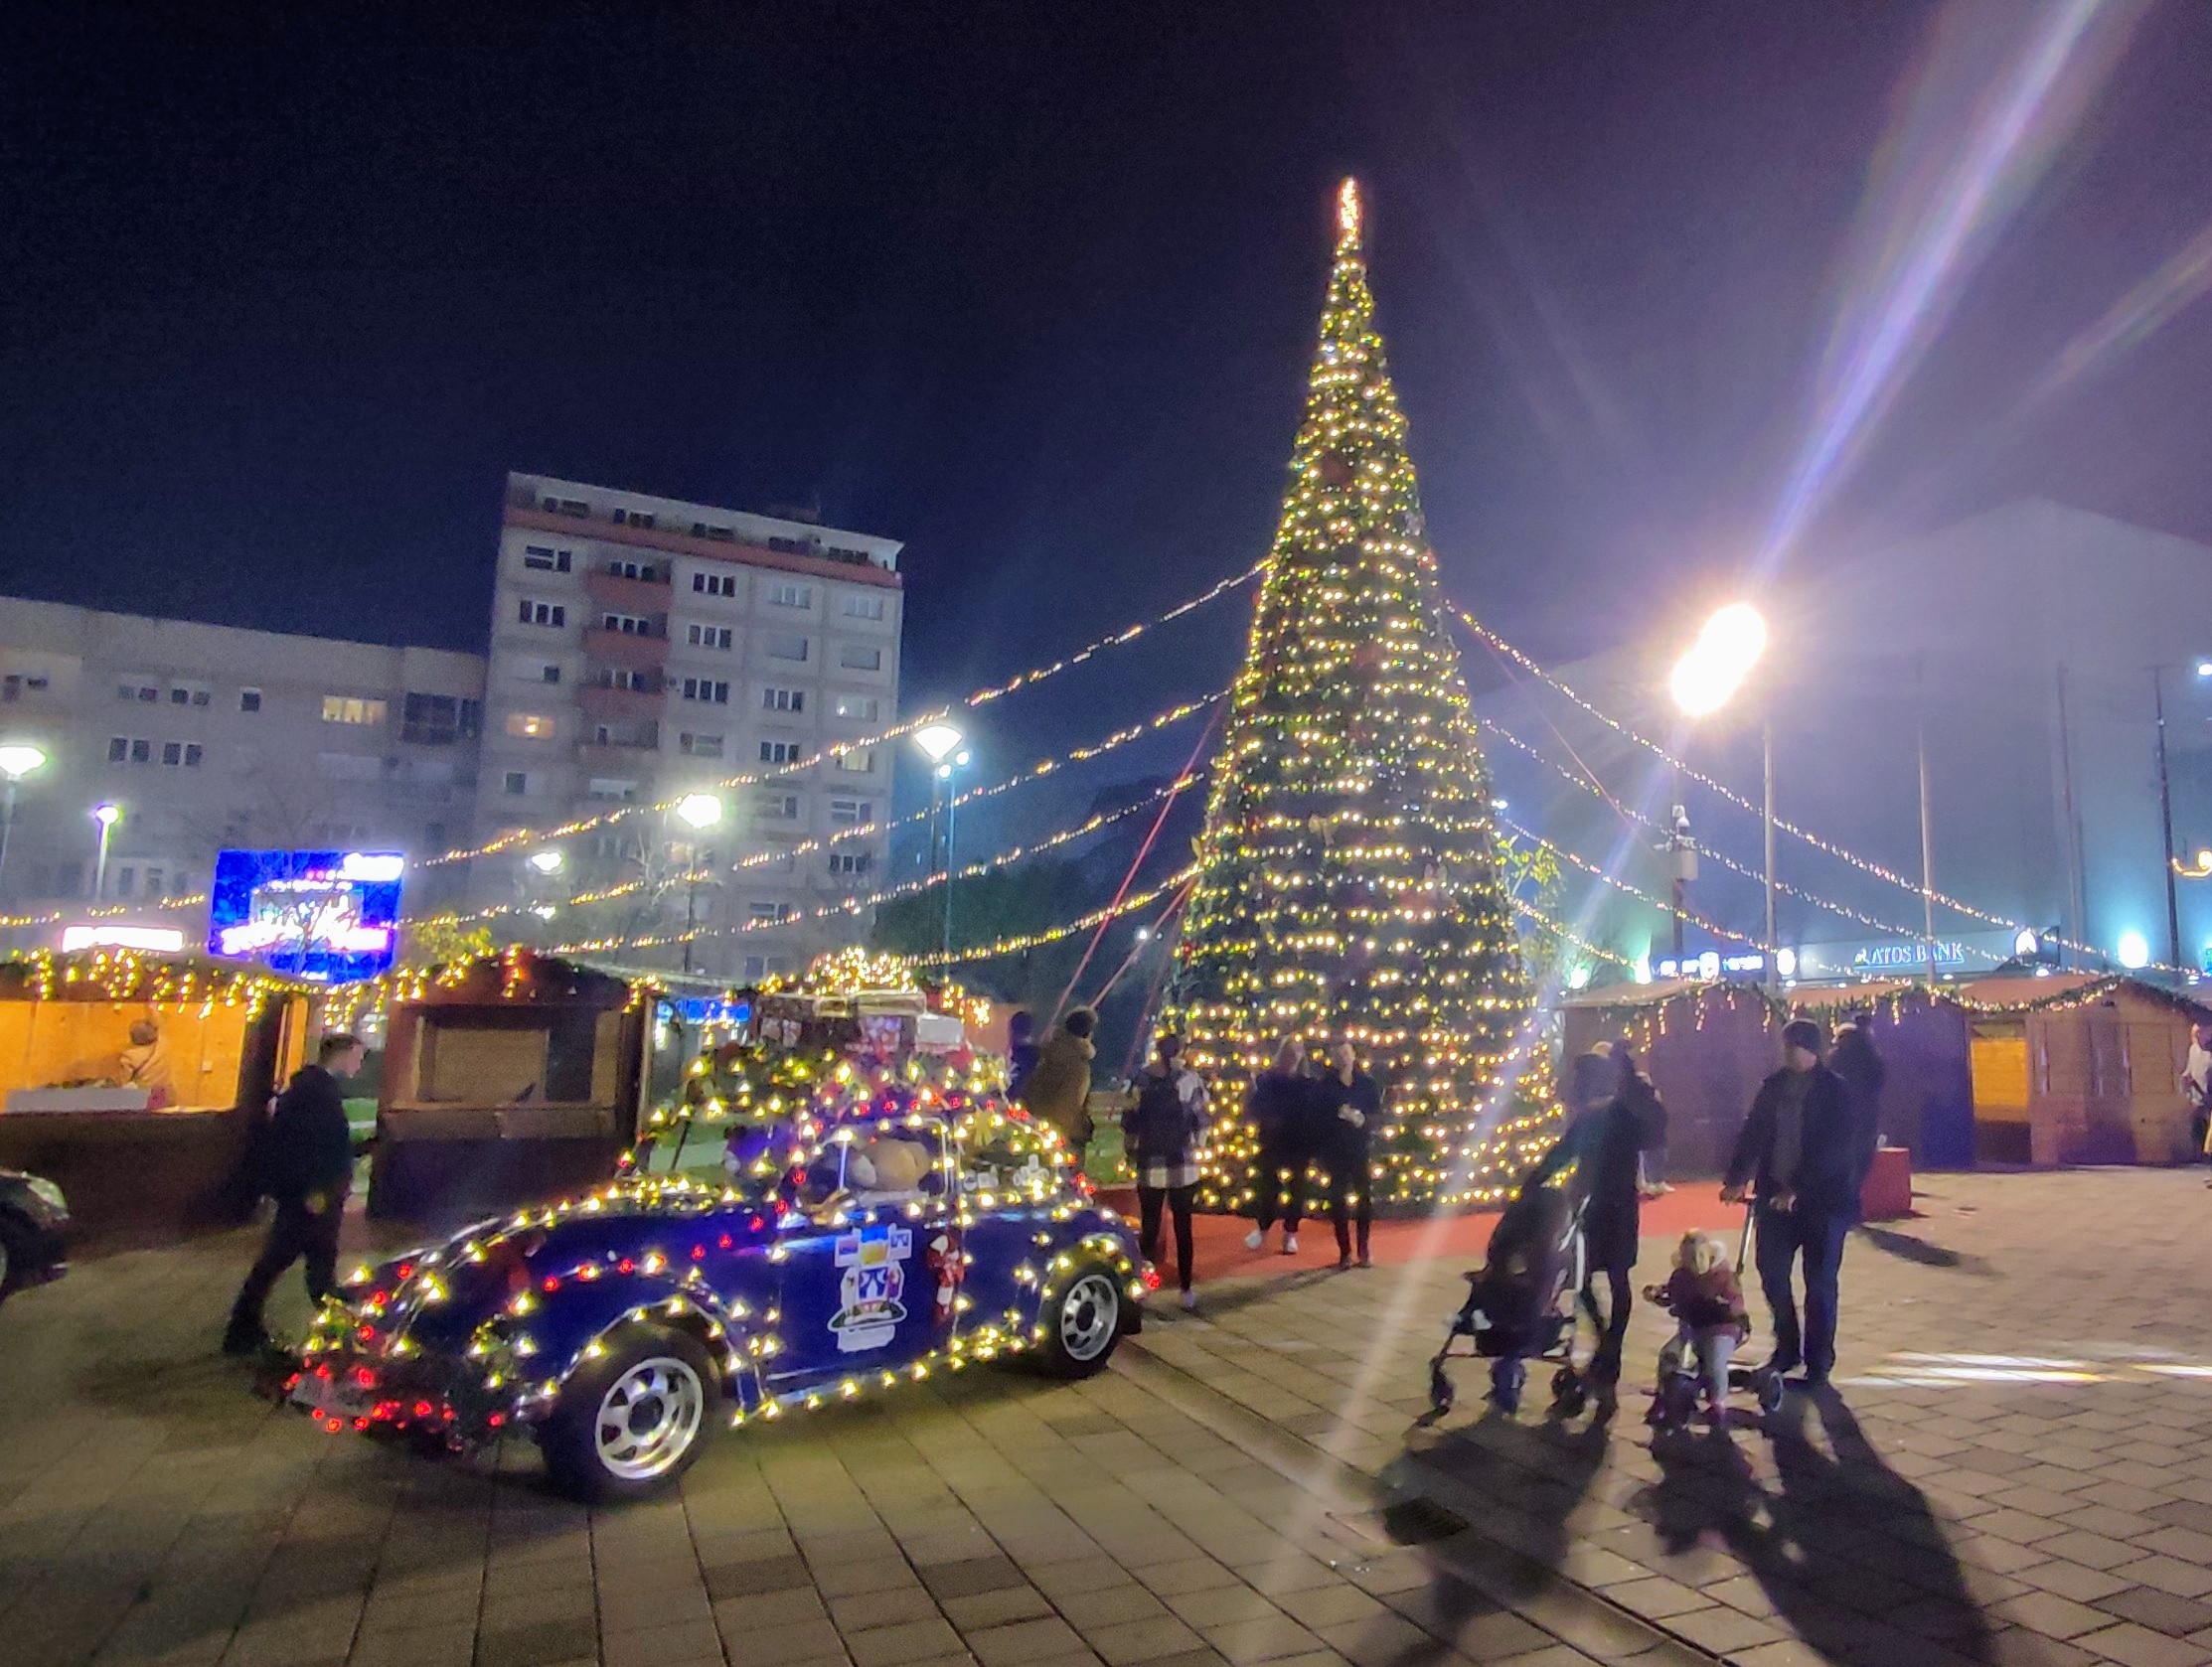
(2015,994)
(124,974)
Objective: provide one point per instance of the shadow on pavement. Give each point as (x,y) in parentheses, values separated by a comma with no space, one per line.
(1847,1551)
(1906,1247)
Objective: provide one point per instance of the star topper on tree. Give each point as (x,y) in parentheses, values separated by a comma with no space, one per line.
(1349,884)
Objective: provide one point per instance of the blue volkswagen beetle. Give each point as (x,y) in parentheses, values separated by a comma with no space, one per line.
(839,1253)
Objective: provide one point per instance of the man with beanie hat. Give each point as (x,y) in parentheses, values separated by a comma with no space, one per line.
(1795,1155)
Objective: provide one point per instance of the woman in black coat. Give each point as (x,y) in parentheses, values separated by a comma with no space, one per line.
(1605,1143)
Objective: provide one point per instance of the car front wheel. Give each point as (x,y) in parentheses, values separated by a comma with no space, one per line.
(630,1423)
(1082,1323)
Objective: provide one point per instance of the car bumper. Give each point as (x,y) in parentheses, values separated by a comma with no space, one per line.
(44,1258)
(344,1388)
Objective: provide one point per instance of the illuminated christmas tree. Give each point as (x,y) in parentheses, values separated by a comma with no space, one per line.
(1350,882)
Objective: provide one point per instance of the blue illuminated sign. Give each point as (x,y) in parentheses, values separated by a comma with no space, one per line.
(325,916)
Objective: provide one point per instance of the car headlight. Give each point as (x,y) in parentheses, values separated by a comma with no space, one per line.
(48,1193)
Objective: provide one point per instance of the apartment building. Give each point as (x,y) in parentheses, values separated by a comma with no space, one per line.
(204,737)
(642,648)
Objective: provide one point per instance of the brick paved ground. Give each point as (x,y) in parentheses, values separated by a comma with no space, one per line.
(153,1510)
(2017,1466)
(2018,1469)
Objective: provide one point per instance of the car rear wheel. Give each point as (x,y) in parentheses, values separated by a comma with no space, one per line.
(630,1423)
(1082,1323)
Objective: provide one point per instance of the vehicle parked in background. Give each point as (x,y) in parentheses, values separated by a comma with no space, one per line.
(34,1230)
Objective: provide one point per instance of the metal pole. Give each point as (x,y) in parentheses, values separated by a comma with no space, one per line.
(7,823)
(1677,892)
(690,901)
(2166,818)
(1927,861)
(100,861)
(1766,736)
(952,811)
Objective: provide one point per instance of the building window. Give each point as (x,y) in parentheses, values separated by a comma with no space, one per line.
(181,754)
(549,673)
(852,813)
(126,880)
(614,787)
(543,558)
(635,679)
(849,863)
(628,625)
(132,689)
(123,749)
(16,685)
(438,721)
(783,646)
(565,507)
(351,709)
(785,594)
(859,606)
(857,761)
(766,914)
(864,707)
(544,613)
(722,534)
(709,635)
(634,517)
(706,688)
(517,781)
(715,584)
(853,657)
(779,752)
(644,571)
(700,747)
(783,699)
(188,695)
(249,700)
(777,806)
(532,726)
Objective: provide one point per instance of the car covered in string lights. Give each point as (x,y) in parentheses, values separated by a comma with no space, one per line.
(850,1248)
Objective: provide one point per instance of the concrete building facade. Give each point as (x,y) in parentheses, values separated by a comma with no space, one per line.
(639,649)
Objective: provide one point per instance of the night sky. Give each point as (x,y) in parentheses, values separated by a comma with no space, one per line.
(286,289)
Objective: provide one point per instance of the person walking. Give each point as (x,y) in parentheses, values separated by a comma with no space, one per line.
(1280,1107)
(1059,1089)
(1164,1130)
(1855,1060)
(307,1167)
(1020,1052)
(1604,1142)
(1795,1157)
(1351,1109)
(2196,1085)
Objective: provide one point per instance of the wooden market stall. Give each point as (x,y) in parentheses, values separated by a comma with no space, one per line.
(507,1080)
(135,1082)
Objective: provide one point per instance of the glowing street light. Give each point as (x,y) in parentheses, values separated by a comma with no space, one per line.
(107,815)
(941,744)
(547,862)
(1706,678)
(698,811)
(17,760)
(937,740)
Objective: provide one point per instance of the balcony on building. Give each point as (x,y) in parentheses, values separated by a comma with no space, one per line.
(607,696)
(630,641)
(629,587)
(618,746)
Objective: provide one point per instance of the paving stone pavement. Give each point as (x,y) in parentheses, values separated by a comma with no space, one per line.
(153,1510)
(2016,1467)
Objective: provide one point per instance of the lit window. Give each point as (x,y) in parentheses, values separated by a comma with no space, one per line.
(532,725)
(351,709)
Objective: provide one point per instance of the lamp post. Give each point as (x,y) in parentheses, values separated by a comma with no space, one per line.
(107,815)
(698,811)
(940,743)
(1706,679)
(2165,806)
(17,760)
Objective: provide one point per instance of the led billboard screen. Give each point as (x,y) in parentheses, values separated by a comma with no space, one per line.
(327,916)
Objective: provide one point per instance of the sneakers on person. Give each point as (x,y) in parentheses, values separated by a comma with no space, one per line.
(1343,1262)
(1255,1239)
(1367,1261)
(1290,1244)
(1190,1302)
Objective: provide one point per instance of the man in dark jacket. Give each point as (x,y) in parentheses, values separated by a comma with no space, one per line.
(1855,1060)
(307,1165)
(1796,1155)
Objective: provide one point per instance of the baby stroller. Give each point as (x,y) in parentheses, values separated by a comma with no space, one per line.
(1680,1383)
(1520,1303)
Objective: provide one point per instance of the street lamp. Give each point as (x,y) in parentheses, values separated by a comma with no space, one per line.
(107,815)
(17,760)
(2165,806)
(941,743)
(546,863)
(1706,679)
(698,811)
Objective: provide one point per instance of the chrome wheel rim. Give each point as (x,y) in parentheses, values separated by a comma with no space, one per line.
(649,1418)
(1088,1314)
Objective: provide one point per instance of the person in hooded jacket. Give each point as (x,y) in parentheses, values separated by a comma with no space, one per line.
(1281,1106)
(1855,1060)
(1059,1088)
